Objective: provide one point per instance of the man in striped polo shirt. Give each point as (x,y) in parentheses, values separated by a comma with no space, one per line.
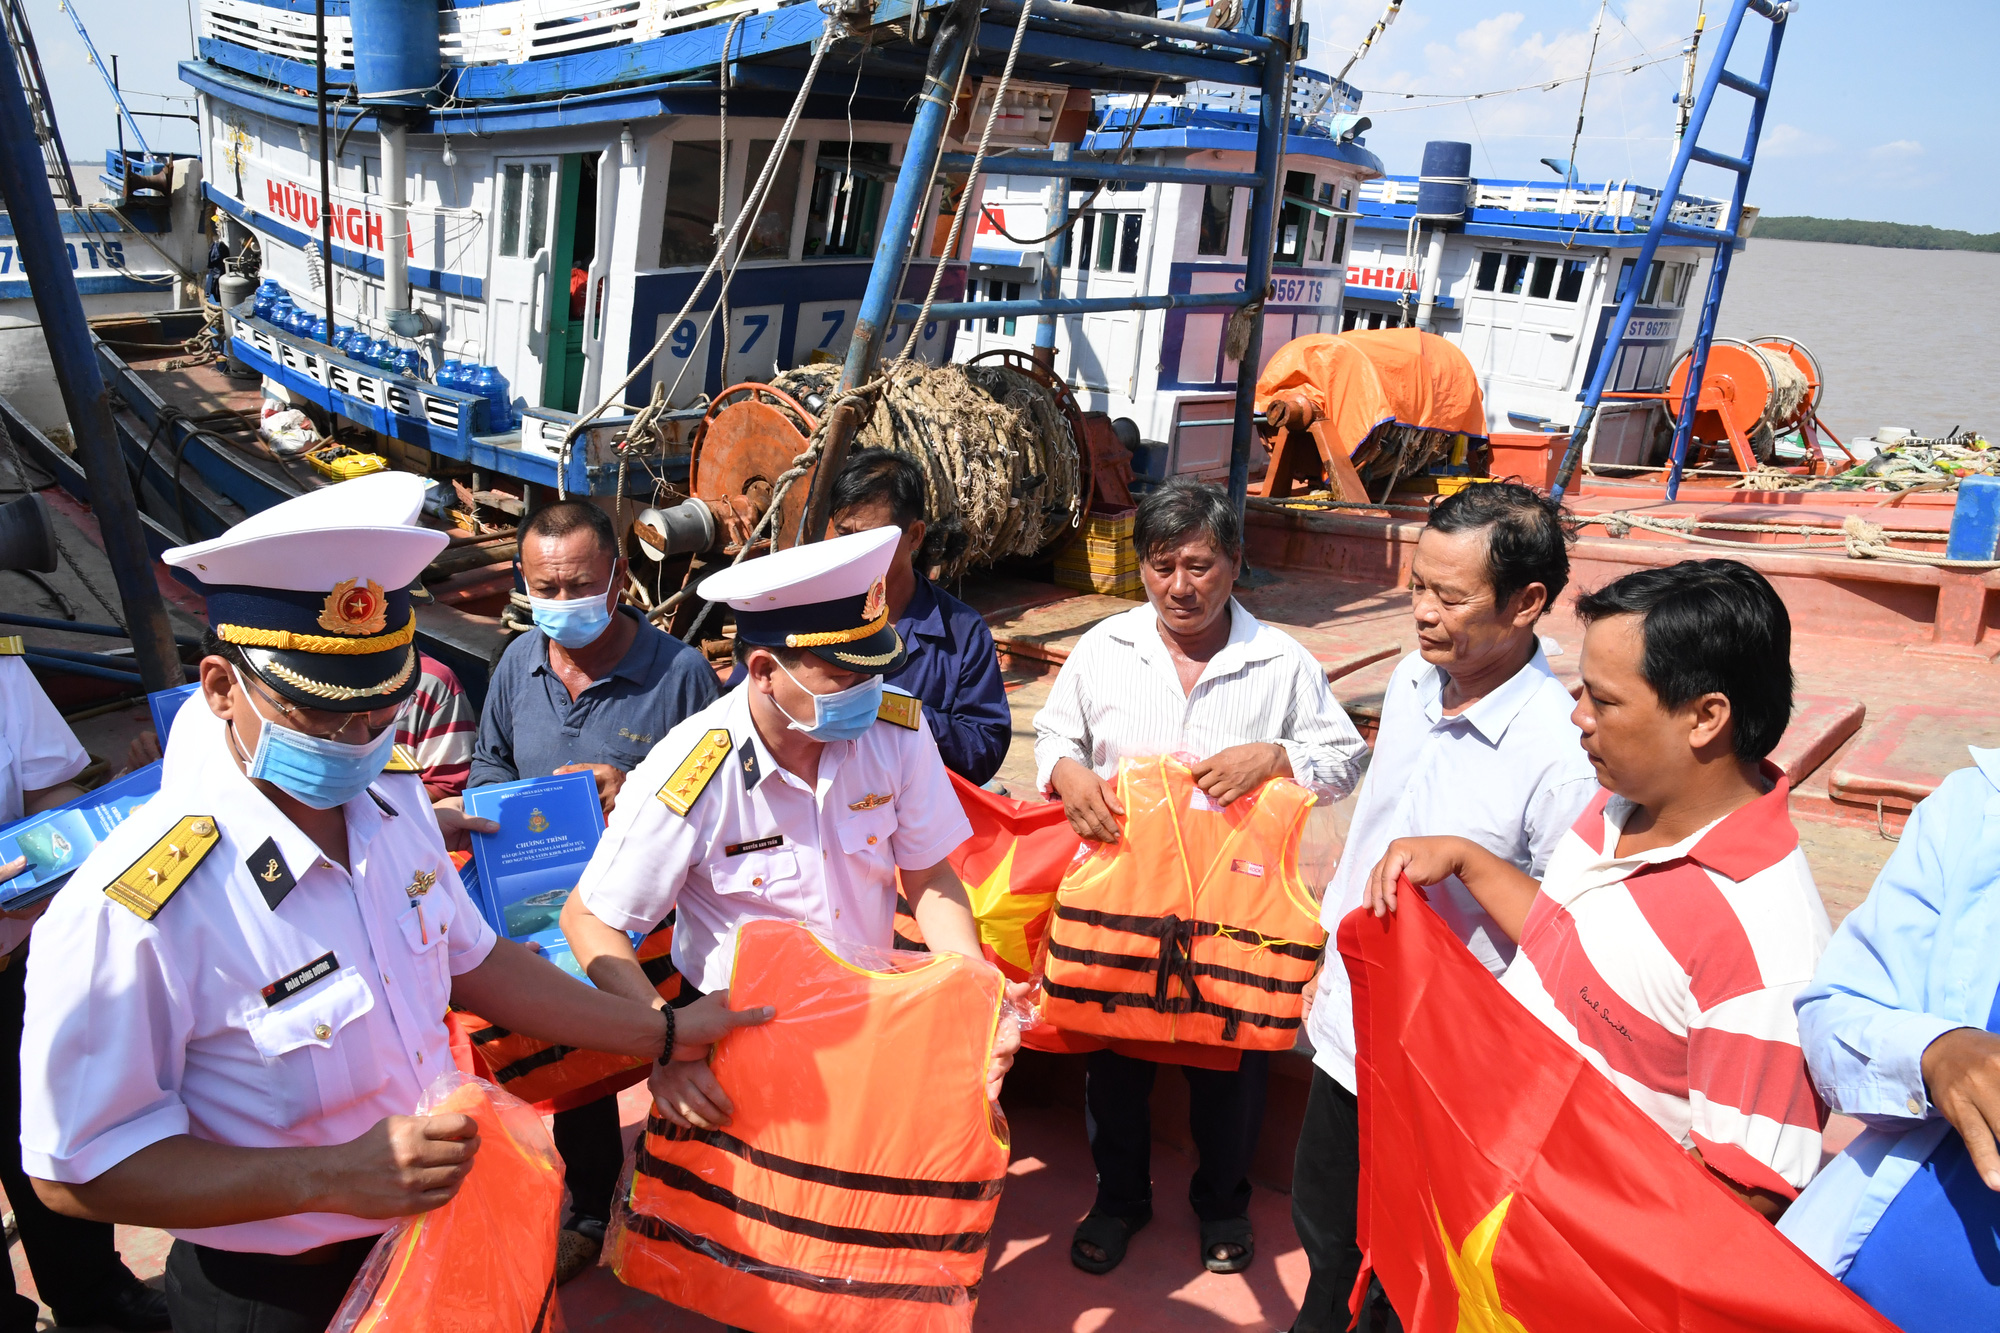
(1678,918)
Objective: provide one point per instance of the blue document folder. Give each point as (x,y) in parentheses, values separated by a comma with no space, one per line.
(55,842)
(165,703)
(548,829)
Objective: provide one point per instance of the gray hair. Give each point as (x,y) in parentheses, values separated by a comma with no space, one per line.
(1183,508)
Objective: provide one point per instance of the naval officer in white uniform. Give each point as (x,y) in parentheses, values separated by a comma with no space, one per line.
(238,999)
(796,796)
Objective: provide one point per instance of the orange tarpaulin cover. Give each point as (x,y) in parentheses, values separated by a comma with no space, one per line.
(1365,377)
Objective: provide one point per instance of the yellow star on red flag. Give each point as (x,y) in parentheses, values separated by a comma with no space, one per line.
(1479,1308)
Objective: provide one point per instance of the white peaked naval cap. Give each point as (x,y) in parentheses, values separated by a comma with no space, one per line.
(316,591)
(829,597)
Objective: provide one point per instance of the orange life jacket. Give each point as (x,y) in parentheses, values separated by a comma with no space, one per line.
(487,1259)
(552,1077)
(855,1188)
(1195,926)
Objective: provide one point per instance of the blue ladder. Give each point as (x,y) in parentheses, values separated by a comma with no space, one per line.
(1113,49)
(1663,226)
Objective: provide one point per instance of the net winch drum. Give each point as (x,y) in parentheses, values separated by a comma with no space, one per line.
(27,539)
(1751,392)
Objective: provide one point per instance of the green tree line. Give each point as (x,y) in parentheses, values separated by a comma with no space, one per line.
(1894,235)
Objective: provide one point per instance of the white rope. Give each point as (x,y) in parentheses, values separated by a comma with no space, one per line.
(754,201)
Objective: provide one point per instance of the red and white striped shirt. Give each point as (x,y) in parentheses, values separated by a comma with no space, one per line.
(1673,971)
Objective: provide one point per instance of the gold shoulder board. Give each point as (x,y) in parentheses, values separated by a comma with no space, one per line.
(155,877)
(691,779)
(905,710)
(11,645)
(401,760)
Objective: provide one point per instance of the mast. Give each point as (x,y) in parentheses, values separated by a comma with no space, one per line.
(41,112)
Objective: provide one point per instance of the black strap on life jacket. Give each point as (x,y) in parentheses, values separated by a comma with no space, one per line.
(972,1191)
(659,1228)
(677,1177)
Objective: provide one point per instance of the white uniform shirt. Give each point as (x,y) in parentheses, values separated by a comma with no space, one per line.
(1509,773)
(37,750)
(826,855)
(141,1030)
(1119,695)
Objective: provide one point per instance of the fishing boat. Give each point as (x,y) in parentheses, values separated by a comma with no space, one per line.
(537,154)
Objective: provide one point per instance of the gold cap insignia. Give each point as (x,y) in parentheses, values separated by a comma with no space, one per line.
(878,599)
(354,609)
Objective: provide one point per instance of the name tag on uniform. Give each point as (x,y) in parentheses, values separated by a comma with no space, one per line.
(1247,868)
(754,845)
(284,988)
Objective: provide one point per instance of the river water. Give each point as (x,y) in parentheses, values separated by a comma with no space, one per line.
(1903,337)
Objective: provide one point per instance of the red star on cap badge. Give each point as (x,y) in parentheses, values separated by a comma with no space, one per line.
(353,609)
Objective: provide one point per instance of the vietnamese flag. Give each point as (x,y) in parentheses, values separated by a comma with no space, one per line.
(1011,867)
(1508,1187)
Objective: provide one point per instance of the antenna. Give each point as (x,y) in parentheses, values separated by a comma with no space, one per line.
(1684,103)
(1596,31)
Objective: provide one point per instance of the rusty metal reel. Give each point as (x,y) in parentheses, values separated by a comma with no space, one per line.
(1086,474)
(748,440)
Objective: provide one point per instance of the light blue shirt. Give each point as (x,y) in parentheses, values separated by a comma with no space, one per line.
(1919,958)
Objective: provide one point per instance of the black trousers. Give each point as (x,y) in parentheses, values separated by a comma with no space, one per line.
(222,1291)
(593,1153)
(1326,1180)
(75,1266)
(1225,1111)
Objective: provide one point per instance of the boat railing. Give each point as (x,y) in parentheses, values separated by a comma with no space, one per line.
(1318,100)
(1617,200)
(510,32)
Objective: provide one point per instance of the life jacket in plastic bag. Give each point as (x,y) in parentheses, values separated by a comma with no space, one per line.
(855,1187)
(1196,925)
(553,1077)
(486,1261)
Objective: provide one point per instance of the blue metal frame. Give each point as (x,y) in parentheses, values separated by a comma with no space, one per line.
(1178,51)
(1724,239)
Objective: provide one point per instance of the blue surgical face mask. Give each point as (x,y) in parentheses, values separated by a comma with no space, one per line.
(573,621)
(843,715)
(318,772)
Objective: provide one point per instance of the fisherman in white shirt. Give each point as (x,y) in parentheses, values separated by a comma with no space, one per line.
(1476,740)
(1193,672)
(235,1004)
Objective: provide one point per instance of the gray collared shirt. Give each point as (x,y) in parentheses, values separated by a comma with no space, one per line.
(531,727)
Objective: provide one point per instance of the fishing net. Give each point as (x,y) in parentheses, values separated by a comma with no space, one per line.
(998,458)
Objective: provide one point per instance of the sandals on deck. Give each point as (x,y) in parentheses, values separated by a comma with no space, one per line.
(1228,1231)
(1109,1233)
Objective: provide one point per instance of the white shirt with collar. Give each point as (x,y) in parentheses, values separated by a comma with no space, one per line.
(758,842)
(1119,696)
(37,750)
(139,1030)
(1509,773)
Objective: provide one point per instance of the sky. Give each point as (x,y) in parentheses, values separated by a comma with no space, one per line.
(1871,116)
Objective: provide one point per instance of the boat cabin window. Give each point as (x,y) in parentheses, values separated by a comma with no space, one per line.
(771,234)
(848,185)
(1544,281)
(1109,242)
(1517,274)
(1570,287)
(1320,224)
(1624,276)
(1218,205)
(1344,202)
(1652,289)
(1292,220)
(694,184)
(524,209)
(1489,271)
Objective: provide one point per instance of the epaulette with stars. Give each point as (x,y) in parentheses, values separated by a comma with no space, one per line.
(695,772)
(156,876)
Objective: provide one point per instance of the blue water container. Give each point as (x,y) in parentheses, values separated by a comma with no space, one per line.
(449,373)
(405,361)
(316,328)
(1975,520)
(396,59)
(491,385)
(1445,184)
(269,293)
(377,352)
